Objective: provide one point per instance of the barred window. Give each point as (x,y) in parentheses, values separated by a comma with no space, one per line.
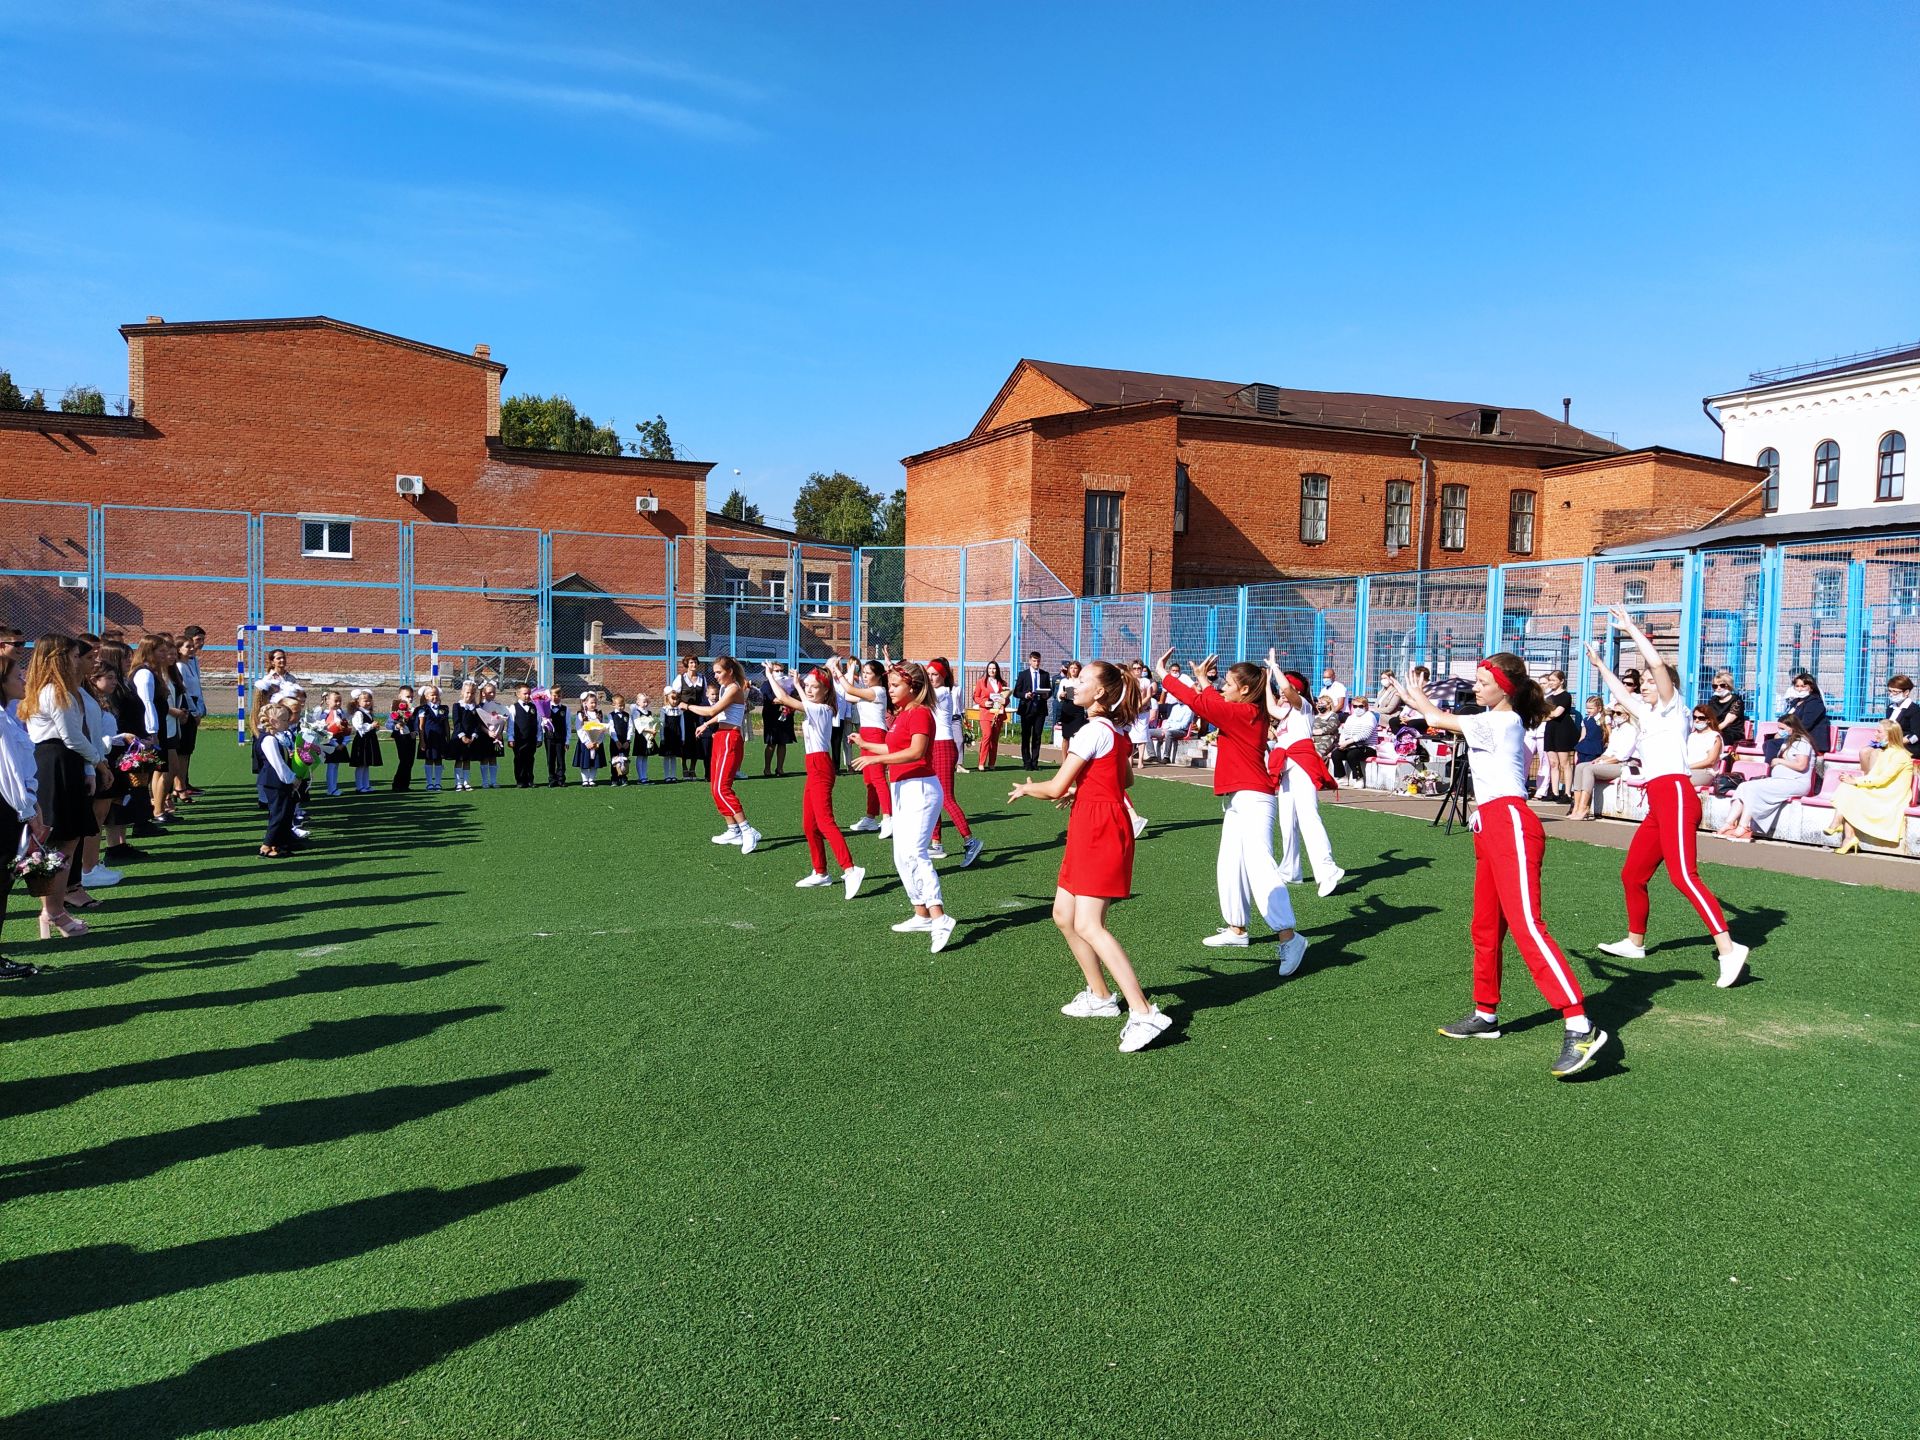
(1313,508)
(1520,522)
(777,591)
(1399,514)
(332,539)
(1453,517)
(819,593)
(1182,487)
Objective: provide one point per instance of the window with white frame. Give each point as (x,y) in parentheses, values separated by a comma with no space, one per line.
(1399,514)
(777,590)
(1891,480)
(1633,592)
(1769,460)
(330,539)
(735,589)
(819,593)
(1903,590)
(1453,517)
(1829,594)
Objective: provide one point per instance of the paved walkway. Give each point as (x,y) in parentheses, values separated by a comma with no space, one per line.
(1891,872)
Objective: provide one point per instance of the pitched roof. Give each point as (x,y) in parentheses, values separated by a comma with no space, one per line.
(1769,529)
(1337,409)
(307,322)
(1866,361)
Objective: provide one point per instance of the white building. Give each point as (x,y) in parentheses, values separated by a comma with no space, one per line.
(1833,436)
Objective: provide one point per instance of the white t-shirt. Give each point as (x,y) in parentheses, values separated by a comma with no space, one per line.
(1664,727)
(816,727)
(1496,755)
(873,714)
(1621,742)
(735,714)
(1792,752)
(946,719)
(1337,691)
(1699,747)
(1137,731)
(1093,739)
(1295,724)
(843,706)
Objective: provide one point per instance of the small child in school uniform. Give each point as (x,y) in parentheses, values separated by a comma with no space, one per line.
(558,727)
(647,723)
(363,752)
(276,773)
(401,725)
(333,718)
(434,725)
(619,738)
(589,739)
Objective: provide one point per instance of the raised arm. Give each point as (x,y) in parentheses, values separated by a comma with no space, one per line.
(778,695)
(1417,698)
(1614,683)
(1662,675)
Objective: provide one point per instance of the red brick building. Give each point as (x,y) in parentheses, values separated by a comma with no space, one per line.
(1127,481)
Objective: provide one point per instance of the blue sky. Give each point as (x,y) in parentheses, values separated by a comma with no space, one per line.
(819,237)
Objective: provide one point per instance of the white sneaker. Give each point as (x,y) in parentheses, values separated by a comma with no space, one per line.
(1234,939)
(300,834)
(749,838)
(1141,1031)
(1326,885)
(886,828)
(1089,1006)
(1625,949)
(972,852)
(852,878)
(942,931)
(728,836)
(936,852)
(864,825)
(913,924)
(1139,825)
(1292,952)
(813,881)
(1732,966)
(99,878)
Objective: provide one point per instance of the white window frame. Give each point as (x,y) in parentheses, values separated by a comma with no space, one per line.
(777,590)
(819,601)
(736,591)
(330,525)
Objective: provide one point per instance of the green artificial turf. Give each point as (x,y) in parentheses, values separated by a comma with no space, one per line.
(537,1115)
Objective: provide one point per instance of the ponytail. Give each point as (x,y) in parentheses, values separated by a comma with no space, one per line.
(1529,701)
(1121,694)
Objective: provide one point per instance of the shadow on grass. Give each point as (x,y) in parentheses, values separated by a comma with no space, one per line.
(272,1127)
(69,1283)
(99,974)
(321,1040)
(256,915)
(1391,863)
(316,980)
(973,932)
(171,899)
(284,1376)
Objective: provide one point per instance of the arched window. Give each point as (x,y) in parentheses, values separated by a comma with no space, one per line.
(1769,459)
(1891,483)
(1826,474)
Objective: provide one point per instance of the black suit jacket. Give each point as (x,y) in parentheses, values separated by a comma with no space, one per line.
(1031,699)
(1907,717)
(525,725)
(558,735)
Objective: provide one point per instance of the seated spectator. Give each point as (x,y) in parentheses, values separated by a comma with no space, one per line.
(1875,805)
(1808,710)
(1353,747)
(1758,803)
(1904,711)
(1703,746)
(1623,739)
(1729,716)
(1326,725)
(1588,749)
(1170,731)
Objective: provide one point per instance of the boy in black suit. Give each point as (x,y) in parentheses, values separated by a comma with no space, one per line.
(1030,691)
(523,734)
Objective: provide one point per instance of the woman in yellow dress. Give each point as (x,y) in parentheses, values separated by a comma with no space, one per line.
(1876,804)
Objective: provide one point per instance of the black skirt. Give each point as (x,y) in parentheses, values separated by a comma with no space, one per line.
(364,750)
(776,725)
(1561,735)
(64,801)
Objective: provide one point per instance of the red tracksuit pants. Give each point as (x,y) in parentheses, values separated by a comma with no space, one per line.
(1507,848)
(946,759)
(721,770)
(1667,836)
(879,793)
(816,815)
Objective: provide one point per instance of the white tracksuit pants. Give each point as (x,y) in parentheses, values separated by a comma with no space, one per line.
(1245,866)
(916,810)
(1299,819)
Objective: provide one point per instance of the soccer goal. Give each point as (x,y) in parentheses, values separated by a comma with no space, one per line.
(245,632)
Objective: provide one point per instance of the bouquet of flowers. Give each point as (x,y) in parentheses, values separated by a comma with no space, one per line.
(543,707)
(140,757)
(38,867)
(310,745)
(400,718)
(593,733)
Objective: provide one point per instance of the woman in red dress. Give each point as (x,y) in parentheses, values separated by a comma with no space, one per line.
(1098,866)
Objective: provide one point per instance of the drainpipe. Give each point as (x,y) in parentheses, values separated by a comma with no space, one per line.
(1706,408)
(1420,545)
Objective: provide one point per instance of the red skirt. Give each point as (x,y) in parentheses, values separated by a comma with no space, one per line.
(1099,858)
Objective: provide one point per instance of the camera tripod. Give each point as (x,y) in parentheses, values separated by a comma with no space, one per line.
(1453,805)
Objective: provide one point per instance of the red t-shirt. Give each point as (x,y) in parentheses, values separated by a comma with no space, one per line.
(1240,759)
(912,721)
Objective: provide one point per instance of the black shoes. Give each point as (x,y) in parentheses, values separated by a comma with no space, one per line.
(1579,1052)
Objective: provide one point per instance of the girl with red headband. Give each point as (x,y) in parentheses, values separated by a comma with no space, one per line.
(1097,868)
(1245,865)
(948,727)
(907,754)
(1299,775)
(870,705)
(1666,835)
(819,708)
(726,717)
(1508,845)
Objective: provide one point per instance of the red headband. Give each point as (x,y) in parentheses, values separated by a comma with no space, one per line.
(1500,677)
(1298,682)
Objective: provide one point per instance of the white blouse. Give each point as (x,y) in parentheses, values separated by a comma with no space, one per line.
(67,724)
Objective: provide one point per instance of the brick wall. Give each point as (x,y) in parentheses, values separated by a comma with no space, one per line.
(1643,496)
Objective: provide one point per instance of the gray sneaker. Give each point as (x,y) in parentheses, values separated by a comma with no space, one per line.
(1471,1027)
(1292,952)
(1578,1052)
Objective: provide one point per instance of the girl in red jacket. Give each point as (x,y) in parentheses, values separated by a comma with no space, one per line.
(1245,867)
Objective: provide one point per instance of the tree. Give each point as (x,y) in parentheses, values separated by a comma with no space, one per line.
(549,422)
(893,519)
(11,397)
(654,442)
(83,400)
(737,507)
(838,508)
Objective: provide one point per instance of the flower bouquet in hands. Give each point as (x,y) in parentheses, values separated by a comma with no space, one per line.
(38,866)
(138,761)
(593,733)
(543,707)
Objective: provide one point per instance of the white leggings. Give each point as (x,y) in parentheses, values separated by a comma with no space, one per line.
(1245,867)
(916,810)
(1299,819)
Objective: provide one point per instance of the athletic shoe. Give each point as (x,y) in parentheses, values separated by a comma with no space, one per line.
(729,836)
(1234,939)
(852,878)
(1089,1006)
(936,852)
(942,931)
(1292,952)
(1139,825)
(813,881)
(1732,966)
(300,834)
(886,828)
(972,852)
(99,878)
(1327,885)
(749,838)
(1625,949)
(1470,1026)
(1578,1052)
(913,924)
(1141,1031)
(17,970)
(864,825)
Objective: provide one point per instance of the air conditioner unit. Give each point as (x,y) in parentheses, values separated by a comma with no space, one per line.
(645,504)
(413,485)
(73,582)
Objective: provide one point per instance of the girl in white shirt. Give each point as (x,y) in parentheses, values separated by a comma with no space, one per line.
(1666,836)
(726,717)
(1298,777)
(19,791)
(1508,847)
(869,698)
(65,757)
(819,708)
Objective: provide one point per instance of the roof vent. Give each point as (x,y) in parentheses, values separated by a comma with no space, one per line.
(1266,398)
(155,320)
(1489,422)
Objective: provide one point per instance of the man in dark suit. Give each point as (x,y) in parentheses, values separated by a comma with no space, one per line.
(1031,687)
(556,741)
(523,735)
(1904,710)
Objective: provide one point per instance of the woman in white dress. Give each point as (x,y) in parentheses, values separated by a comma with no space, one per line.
(1758,803)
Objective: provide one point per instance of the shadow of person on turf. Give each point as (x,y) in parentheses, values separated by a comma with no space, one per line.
(69,1283)
(103,974)
(284,1376)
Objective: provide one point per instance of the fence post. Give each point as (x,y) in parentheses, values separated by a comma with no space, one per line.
(1362,597)
(1765,664)
(403,584)
(1587,680)
(673,610)
(960,626)
(543,626)
(795,576)
(1496,608)
(1146,626)
(1854,679)
(1013,627)
(1693,595)
(1078,605)
(1240,619)
(96,569)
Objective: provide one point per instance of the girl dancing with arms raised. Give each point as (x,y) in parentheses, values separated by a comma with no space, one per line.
(907,754)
